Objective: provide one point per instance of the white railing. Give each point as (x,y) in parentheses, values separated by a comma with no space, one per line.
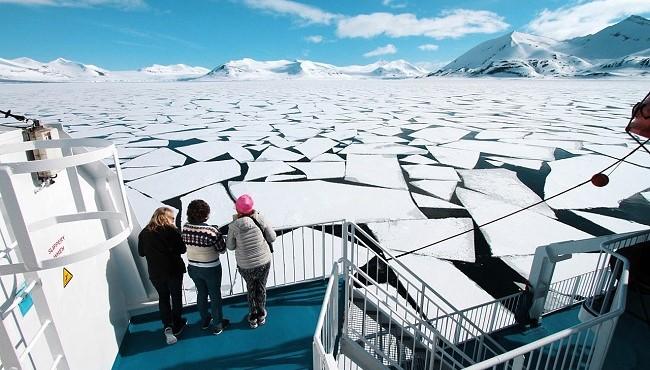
(419,297)
(568,292)
(301,254)
(583,346)
(327,327)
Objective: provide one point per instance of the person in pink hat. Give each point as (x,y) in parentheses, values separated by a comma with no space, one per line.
(251,237)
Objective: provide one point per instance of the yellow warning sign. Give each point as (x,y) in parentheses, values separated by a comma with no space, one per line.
(67,276)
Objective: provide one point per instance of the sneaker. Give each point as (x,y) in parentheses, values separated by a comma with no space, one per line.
(225,323)
(205,324)
(178,329)
(253,324)
(169,336)
(261,321)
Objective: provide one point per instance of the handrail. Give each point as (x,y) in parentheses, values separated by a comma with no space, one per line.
(620,297)
(324,347)
(425,287)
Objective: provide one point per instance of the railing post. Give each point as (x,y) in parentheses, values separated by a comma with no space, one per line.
(575,289)
(346,277)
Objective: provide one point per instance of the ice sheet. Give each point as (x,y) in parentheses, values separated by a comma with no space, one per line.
(418,159)
(425,201)
(221,206)
(138,172)
(613,224)
(278,154)
(212,149)
(382,149)
(258,170)
(182,180)
(423,171)
(505,149)
(441,189)
(580,263)
(454,157)
(624,182)
(157,158)
(512,235)
(408,235)
(143,206)
(379,170)
(504,185)
(320,170)
(315,146)
(527,163)
(306,202)
(440,135)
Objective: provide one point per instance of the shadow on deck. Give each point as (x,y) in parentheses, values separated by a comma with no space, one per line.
(285,342)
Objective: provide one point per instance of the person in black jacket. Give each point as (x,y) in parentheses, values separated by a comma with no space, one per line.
(161,244)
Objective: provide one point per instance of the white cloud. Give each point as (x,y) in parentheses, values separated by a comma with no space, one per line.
(307,13)
(314,39)
(584,18)
(428,47)
(393,4)
(382,50)
(122,4)
(451,24)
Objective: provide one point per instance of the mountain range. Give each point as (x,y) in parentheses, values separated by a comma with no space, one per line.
(620,50)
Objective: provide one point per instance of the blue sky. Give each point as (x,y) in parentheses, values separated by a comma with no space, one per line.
(129,34)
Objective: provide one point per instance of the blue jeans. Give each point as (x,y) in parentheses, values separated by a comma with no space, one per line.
(208,282)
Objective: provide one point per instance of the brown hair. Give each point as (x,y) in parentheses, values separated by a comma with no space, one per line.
(160,218)
(198,211)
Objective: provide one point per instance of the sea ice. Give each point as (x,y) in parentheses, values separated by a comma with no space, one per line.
(178,181)
(425,201)
(533,164)
(441,189)
(440,135)
(418,159)
(407,235)
(284,177)
(137,172)
(380,148)
(613,224)
(278,154)
(379,170)
(454,157)
(213,149)
(504,185)
(221,206)
(320,170)
(580,263)
(505,149)
(512,235)
(625,181)
(423,171)
(258,170)
(315,146)
(143,206)
(157,158)
(307,202)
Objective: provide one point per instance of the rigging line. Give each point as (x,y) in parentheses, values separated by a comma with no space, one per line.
(517,211)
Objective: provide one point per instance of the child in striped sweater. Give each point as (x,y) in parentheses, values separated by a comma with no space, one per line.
(204,245)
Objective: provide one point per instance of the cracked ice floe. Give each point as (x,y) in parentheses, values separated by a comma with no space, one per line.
(382,148)
(426,172)
(504,185)
(213,149)
(258,170)
(441,189)
(143,206)
(505,149)
(154,143)
(625,181)
(137,172)
(500,134)
(157,158)
(512,235)
(527,163)
(646,195)
(379,170)
(440,135)
(278,154)
(561,144)
(307,202)
(408,235)
(221,206)
(640,157)
(320,170)
(418,159)
(447,280)
(328,157)
(580,263)
(613,224)
(284,177)
(454,157)
(425,201)
(315,146)
(182,180)
(126,153)
(341,134)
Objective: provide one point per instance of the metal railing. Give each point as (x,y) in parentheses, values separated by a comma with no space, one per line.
(327,327)
(382,267)
(568,292)
(585,345)
(301,254)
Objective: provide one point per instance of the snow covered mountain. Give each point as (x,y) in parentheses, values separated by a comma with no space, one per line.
(249,69)
(619,50)
(63,70)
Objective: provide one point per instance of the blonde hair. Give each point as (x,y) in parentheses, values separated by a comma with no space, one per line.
(160,218)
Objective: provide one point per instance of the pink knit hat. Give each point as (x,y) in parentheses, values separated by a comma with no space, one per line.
(244,204)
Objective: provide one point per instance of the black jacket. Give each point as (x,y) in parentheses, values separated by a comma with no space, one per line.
(162,248)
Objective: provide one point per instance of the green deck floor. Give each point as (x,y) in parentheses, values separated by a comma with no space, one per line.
(285,342)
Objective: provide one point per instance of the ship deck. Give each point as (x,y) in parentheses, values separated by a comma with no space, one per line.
(284,342)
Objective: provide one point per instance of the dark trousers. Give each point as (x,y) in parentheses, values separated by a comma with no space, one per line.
(256,285)
(208,283)
(170,312)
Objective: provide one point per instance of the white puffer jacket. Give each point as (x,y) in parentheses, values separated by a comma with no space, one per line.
(247,240)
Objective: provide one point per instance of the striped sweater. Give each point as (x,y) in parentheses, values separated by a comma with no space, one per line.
(201,242)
